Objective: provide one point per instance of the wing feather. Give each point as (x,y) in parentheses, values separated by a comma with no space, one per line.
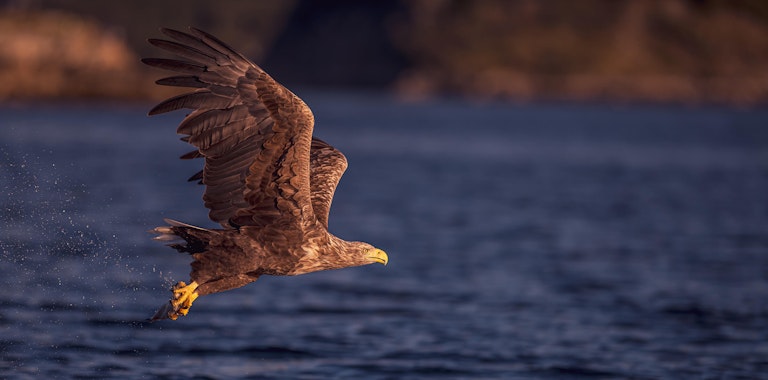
(194,81)
(190,155)
(174,65)
(327,165)
(182,81)
(195,43)
(238,59)
(184,51)
(254,134)
(206,120)
(201,99)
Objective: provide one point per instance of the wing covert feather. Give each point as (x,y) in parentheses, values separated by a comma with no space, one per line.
(327,165)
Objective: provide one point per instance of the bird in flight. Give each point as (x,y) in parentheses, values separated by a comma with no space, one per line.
(268,182)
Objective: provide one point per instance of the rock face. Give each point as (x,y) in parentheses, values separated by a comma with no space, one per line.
(47,55)
(625,50)
(683,51)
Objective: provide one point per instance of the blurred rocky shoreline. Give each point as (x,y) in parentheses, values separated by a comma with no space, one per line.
(55,55)
(665,51)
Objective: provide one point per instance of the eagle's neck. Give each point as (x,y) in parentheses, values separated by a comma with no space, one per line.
(333,253)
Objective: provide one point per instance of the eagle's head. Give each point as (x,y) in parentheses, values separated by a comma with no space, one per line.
(368,254)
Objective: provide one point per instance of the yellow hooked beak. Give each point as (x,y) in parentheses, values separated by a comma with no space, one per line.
(378,256)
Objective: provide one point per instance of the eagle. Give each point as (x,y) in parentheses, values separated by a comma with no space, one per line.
(268,182)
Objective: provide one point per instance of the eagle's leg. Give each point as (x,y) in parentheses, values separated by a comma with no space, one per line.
(183,296)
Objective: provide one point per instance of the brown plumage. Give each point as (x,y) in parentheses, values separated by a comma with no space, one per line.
(268,182)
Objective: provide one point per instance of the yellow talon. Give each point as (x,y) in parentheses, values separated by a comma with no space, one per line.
(183,296)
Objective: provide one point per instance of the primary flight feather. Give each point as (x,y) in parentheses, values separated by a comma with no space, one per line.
(268,182)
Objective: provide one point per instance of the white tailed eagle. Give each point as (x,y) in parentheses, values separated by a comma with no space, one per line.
(268,182)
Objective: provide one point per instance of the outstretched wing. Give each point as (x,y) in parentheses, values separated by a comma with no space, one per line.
(327,165)
(254,134)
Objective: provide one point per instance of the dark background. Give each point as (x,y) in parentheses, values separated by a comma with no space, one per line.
(692,51)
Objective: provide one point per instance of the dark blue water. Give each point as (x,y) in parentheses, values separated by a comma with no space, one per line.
(537,241)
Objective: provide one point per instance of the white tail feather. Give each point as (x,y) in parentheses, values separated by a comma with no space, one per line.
(166,237)
(162,230)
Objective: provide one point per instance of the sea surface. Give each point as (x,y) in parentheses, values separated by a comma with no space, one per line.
(528,241)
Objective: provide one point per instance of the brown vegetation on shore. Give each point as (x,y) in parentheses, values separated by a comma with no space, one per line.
(53,55)
(632,50)
(691,51)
